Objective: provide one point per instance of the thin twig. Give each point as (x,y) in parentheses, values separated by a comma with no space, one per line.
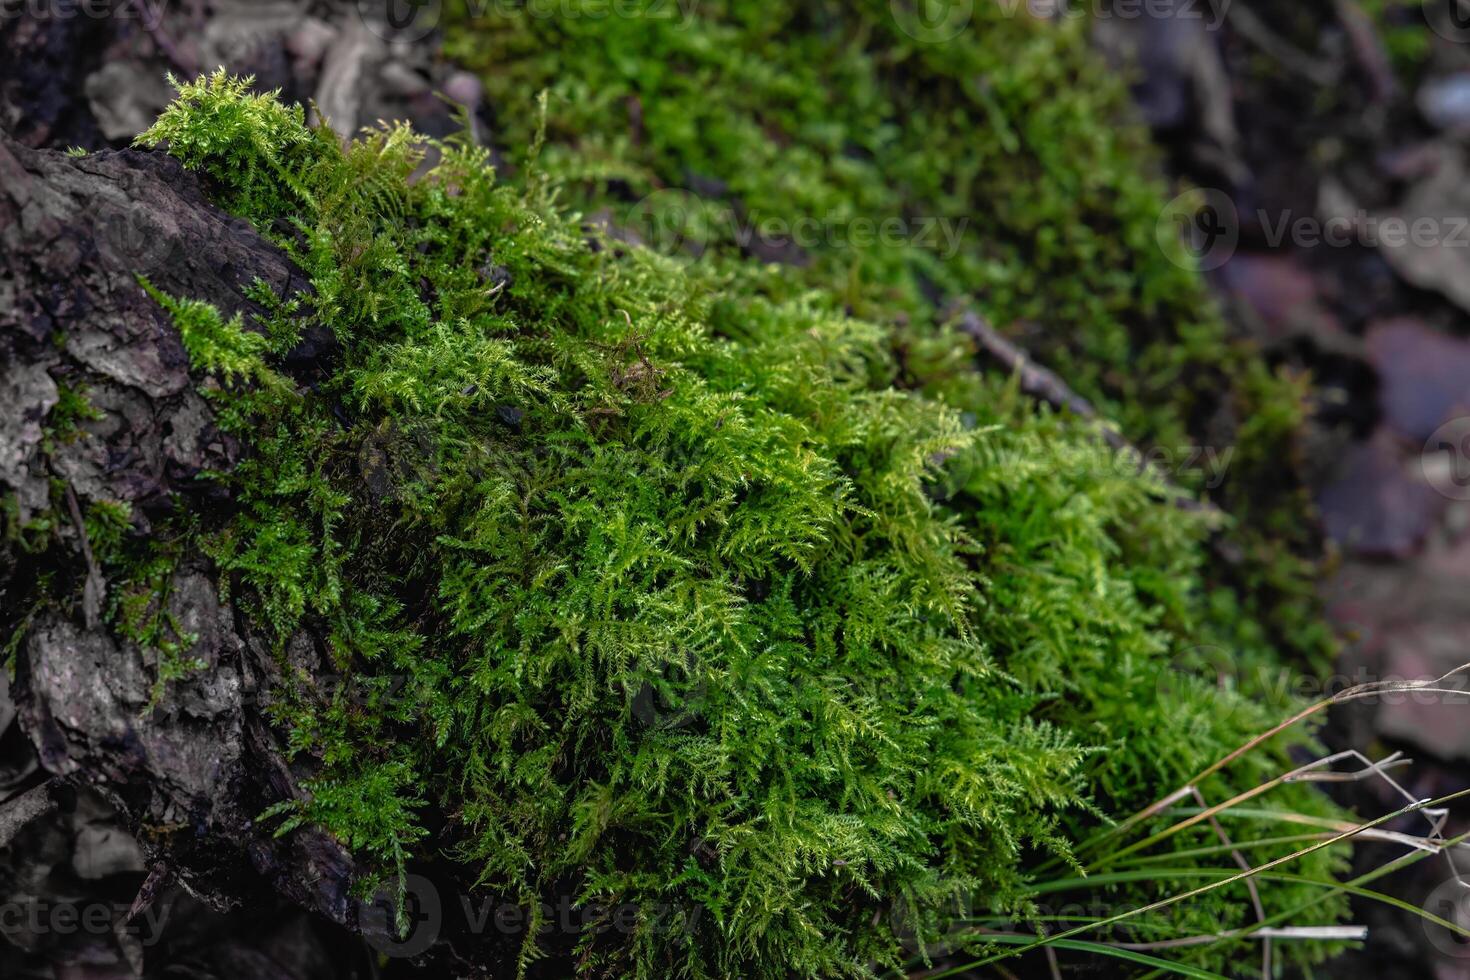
(95,588)
(1301,933)
(161,40)
(1437,818)
(158,876)
(1296,775)
(1042,384)
(1036,380)
(1424,844)
(1206,889)
(1051,961)
(1368,49)
(1252,28)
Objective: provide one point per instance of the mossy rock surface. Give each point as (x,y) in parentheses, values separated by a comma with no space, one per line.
(672,585)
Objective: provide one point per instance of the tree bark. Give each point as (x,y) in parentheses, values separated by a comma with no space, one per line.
(190,773)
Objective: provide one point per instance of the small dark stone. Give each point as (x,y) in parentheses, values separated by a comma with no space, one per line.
(314,354)
(510,416)
(706,186)
(496,276)
(1379,505)
(1425,375)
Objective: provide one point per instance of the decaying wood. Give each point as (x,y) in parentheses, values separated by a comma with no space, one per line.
(191,772)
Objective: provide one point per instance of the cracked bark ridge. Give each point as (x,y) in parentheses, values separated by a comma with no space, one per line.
(188,771)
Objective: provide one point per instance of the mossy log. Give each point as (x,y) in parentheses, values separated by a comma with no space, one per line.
(704,597)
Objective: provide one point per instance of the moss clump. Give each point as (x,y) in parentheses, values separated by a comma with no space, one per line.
(923,157)
(692,606)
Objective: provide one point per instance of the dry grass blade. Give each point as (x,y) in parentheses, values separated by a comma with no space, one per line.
(1205,889)
(1186,791)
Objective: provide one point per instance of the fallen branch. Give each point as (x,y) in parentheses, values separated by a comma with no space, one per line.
(1368,50)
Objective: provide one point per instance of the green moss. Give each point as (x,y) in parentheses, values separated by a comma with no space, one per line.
(1005,151)
(72,408)
(668,588)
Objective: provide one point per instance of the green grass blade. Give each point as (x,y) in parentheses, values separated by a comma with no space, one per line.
(1103,949)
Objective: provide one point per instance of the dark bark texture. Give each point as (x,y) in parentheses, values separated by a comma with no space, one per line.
(188,774)
(108,793)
